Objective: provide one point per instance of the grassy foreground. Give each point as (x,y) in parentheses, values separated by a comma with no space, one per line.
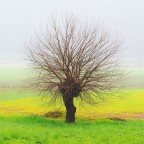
(20,125)
(39,130)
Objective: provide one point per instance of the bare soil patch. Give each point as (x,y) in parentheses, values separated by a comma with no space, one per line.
(53,114)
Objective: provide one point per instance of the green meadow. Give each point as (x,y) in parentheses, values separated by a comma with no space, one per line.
(39,130)
(28,118)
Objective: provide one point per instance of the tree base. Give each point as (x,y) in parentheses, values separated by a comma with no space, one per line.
(70,115)
(70,109)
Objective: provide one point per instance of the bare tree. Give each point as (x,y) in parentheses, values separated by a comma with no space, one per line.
(75,60)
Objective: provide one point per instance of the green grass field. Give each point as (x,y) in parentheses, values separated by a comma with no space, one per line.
(38,130)
(22,119)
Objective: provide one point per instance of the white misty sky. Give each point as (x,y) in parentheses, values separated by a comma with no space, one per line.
(19,19)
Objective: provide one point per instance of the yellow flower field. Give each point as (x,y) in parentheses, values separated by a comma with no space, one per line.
(128,104)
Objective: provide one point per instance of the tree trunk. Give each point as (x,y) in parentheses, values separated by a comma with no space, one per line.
(70,110)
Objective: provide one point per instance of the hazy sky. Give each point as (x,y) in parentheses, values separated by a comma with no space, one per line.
(19,19)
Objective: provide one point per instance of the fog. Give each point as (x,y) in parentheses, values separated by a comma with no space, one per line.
(19,19)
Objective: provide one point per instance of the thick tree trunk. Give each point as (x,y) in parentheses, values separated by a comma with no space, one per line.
(70,110)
